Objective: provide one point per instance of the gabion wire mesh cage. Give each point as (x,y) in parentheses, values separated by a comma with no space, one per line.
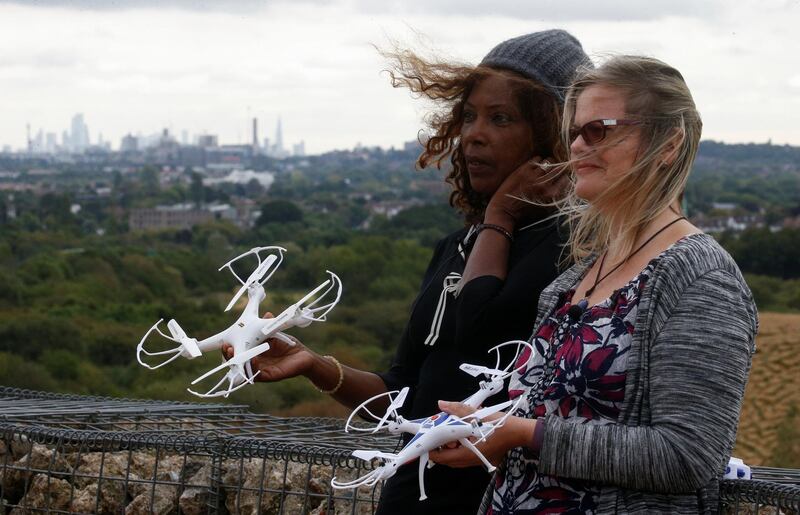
(80,454)
(771,491)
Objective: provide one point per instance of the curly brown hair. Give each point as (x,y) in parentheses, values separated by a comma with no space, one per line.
(449,85)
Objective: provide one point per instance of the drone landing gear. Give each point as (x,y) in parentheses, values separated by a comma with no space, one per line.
(423,460)
(469,445)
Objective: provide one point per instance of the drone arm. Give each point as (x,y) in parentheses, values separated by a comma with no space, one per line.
(280,322)
(213,342)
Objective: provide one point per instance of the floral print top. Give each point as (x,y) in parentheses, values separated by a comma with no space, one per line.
(578,372)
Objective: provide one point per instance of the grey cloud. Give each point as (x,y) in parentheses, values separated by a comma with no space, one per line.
(40,60)
(550,10)
(535,10)
(189,5)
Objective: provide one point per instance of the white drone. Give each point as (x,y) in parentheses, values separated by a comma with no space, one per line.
(249,333)
(436,430)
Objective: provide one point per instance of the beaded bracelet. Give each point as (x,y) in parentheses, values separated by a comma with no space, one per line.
(498,228)
(341,377)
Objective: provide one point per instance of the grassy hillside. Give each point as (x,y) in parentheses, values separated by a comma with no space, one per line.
(769,430)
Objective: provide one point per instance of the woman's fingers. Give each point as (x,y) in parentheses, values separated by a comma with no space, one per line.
(227,350)
(456,457)
(456,408)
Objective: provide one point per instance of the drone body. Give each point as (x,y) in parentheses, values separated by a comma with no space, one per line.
(248,335)
(436,430)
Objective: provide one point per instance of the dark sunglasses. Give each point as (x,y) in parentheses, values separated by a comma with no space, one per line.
(595,131)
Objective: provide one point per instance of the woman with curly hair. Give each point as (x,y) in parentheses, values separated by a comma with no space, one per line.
(631,400)
(498,121)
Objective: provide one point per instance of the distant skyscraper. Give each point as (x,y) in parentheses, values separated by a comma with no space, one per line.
(129,143)
(278,146)
(51,144)
(207,140)
(38,142)
(184,137)
(299,149)
(255,133)
(79,134)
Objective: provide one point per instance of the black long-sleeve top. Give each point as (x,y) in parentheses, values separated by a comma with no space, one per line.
(487,311)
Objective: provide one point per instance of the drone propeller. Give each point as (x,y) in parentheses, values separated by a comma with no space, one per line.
(255,277)
(476,370)
(187,347)
(189,344)
(257,252)
(307,310)
(392,409)
(238,359)
(371,455)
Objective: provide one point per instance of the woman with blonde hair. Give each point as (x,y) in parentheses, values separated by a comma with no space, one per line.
(631,401)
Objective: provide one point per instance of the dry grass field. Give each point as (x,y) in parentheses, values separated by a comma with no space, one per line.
(769,429)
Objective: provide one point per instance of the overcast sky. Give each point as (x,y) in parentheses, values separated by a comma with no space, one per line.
(210,66)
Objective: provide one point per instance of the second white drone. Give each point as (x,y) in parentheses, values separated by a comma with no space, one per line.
(438,429)
(248,335)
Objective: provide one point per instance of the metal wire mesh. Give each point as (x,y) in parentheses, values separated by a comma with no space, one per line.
(64,453)
(80,454)
(771,491)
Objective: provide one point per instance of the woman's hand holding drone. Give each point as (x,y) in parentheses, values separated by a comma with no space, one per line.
(515,432)
(284,360)
(281,361)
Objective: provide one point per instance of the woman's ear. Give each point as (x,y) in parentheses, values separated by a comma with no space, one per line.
(672,147)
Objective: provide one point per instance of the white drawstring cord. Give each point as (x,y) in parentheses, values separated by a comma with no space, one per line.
(450,285)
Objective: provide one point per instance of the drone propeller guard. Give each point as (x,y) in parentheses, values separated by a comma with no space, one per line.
(260,275)
(186,346)
(394,403)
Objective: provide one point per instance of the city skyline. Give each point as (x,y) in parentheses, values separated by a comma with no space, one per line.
(77,139)
(141,66)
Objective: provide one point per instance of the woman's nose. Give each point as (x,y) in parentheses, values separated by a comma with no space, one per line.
(473,132)
(578,146)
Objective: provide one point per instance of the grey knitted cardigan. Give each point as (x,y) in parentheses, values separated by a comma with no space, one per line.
(686,373)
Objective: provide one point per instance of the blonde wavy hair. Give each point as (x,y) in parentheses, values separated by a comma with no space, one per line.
(449,85)
(656,95)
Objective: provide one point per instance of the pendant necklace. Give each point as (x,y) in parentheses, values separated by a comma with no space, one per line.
(576,310)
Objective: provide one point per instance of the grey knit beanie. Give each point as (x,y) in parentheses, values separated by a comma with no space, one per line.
(549,57)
